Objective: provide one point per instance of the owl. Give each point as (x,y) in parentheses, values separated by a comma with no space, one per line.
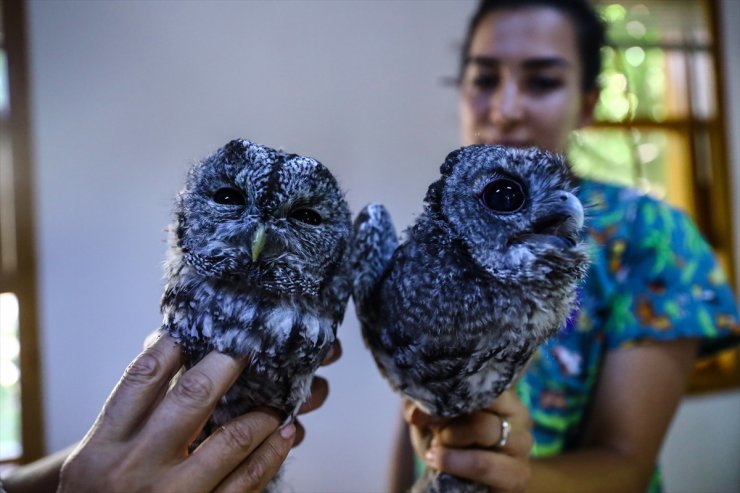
(488,271)
(257,265)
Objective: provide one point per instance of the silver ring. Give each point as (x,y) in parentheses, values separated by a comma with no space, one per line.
(505,433)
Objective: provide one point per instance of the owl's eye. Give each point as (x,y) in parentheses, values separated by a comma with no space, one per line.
(228,196)
(308,216)
(503,195)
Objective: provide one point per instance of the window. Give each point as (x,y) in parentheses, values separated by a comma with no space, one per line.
(660,126)
(21,433)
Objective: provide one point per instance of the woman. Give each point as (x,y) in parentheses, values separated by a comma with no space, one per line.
(602,393)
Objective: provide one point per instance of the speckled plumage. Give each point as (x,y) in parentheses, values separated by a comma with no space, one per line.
(487,272)
(257,266)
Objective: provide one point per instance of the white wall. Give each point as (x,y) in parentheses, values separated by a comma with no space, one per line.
(127,94)
(702,451)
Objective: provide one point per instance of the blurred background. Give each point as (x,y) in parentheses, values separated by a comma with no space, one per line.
(104,105)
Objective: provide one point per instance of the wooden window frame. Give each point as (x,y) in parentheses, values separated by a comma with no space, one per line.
(711,188)
(22,280)
(714,206)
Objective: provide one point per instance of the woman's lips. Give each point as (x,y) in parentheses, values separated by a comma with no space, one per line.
(482,138)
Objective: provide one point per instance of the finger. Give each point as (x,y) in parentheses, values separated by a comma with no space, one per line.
(225,449)
(319,392)
(260,467)
(300,433)
(421,440)
(482,436)
(499,472)
(141,386)
(407,409)
(520,440)
(519,443)
(414,416)
(153,337)
(509,405)
(335,352)
(480,429)
(187,406)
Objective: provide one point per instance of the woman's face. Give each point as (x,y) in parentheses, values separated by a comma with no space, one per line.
(522,84)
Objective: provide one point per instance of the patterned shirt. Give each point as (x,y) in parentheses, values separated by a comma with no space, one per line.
(653,277)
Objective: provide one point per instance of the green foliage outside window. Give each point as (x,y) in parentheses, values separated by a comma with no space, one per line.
(643,105)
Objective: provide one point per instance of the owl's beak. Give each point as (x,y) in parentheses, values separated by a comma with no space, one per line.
(258,242)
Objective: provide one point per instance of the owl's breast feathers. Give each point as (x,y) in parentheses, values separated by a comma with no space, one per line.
(448,333)
(433,274)
(236,318)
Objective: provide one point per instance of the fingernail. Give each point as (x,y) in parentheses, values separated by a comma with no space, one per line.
(287,431)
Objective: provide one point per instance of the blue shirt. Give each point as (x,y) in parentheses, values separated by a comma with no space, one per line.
(653,278)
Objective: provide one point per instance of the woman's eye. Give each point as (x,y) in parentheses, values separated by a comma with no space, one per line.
(485,82)
(541,84)
(308,216)
(503,195)
(229,196)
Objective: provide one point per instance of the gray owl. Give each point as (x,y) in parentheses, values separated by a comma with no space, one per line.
(258,265)
(488,271)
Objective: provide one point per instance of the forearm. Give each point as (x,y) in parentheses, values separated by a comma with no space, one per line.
(638,393)
(587,471)
(37,477)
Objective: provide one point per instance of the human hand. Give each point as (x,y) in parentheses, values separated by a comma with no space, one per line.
(140,440)
(466,446)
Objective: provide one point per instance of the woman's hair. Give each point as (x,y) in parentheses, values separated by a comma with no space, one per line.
(590,31)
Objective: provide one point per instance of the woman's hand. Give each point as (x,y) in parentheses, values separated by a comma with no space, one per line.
(141,437)
(467,446)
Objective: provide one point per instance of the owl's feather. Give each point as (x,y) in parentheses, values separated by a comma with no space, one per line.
(488,272)
(257,266)
(373,243)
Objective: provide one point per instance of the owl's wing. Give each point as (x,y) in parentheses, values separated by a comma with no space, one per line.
(373,243)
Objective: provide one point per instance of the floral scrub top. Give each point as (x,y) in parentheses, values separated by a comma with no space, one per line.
(653,277)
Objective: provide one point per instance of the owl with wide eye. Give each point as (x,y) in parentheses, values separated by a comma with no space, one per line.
(489,270)
(257,266)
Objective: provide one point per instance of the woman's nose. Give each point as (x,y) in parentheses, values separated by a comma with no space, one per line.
(506,105)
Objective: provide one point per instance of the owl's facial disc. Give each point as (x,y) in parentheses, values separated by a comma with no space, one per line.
(559,227)
(303,215)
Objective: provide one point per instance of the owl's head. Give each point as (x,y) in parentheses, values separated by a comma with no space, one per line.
(264,216)
(513,209)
